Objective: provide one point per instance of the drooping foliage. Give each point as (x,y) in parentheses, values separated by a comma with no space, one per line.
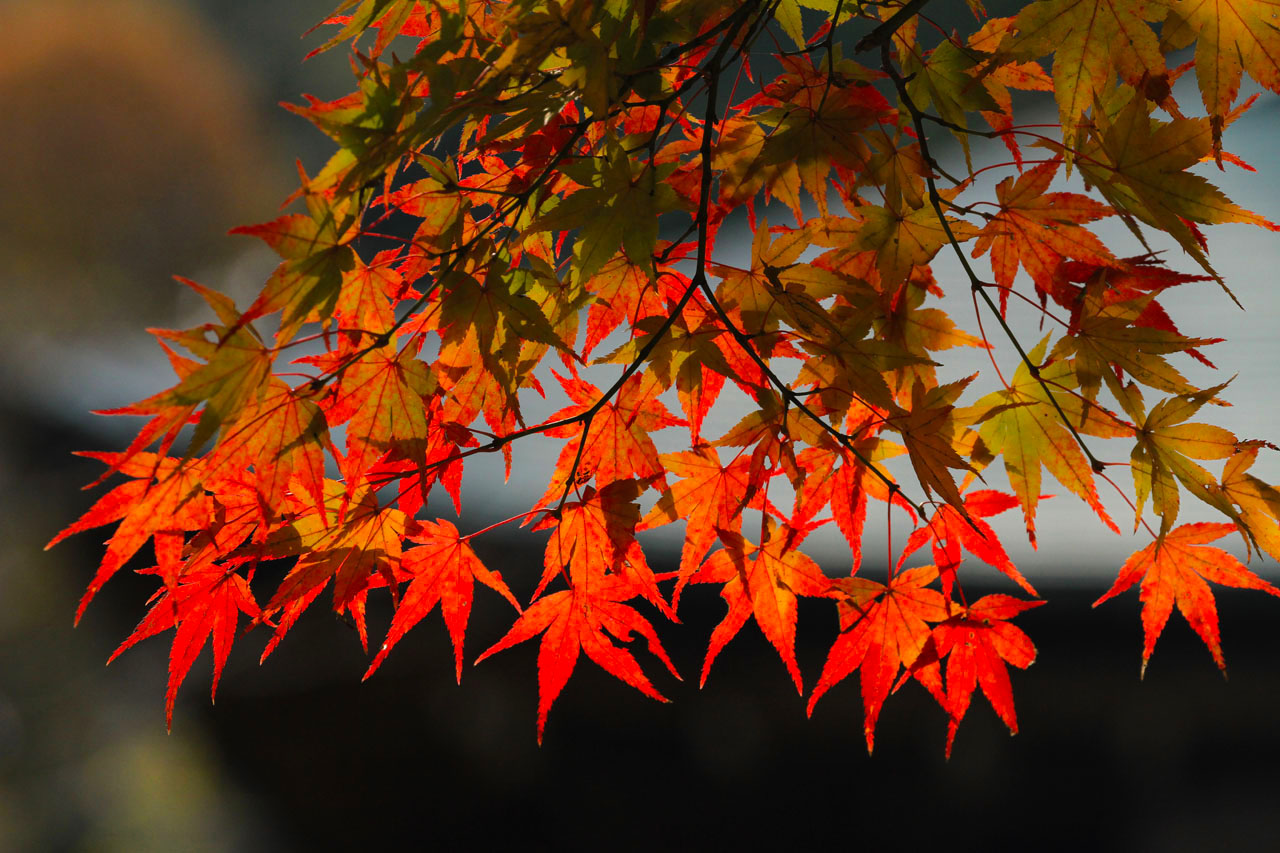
(524,189)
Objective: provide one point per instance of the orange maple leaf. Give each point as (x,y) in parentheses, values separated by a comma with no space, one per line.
(624,293)
(882,628)
(577,620)
(282,436)
(762,582)
(1038,229)
(381,396)
(947,530)
(444,568)
(1174,570)
(837,478)
(349,541)
(710,497)
(617,445)
(594,537)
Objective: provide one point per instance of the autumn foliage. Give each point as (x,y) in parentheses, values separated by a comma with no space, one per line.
(523,189)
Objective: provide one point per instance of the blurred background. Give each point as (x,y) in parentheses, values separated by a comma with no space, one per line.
(137,133)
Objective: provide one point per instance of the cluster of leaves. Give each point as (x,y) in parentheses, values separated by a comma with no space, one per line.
(519,170)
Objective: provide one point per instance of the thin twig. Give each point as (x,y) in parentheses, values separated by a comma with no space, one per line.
(978,286)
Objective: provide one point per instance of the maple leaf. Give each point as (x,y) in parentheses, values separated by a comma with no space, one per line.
(844,481)
(769,430)
(440,459)
(762,582)
(882,628)
(282,436)
(948,530)
(915,329)
(483,327)
(946,79)
(624,292)
(1083,36)
(977,643)
(235,373)
(1022,425)
(352,538)
(204,607)
(998,80)
(756,296)
(1038,229)
(853,346)
(369,294)
(1174,570)
(316,249)
(1139,165)
(904,236)
(436,201)
(709,497)
(380,398)
(926,429)
(618,208)
(578,621)
(163,498)
(595,536)
(1231,36)
(691,359)
(1106,334)
(1136,288)
(1164,452)
(388,15)
(1258,502)
(818,121)
(616,445)
(444,568)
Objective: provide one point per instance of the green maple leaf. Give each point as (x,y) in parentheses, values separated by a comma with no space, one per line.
(1165,453)
(1022,425)
(619,208)
(1140,167)
(946,80)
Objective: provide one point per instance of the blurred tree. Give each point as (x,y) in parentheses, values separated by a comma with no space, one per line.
(116,174)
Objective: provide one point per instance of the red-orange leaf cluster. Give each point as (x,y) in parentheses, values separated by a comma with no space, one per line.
(532,199)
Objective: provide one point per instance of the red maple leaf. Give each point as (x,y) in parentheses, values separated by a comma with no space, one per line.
(206,604)
(977,642)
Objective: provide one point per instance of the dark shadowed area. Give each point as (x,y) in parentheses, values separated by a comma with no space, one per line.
(299,755)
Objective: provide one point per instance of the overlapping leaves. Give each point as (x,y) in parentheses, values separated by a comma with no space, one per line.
(524,181)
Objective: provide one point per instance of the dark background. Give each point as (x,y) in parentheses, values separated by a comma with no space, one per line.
(298,754)
(117,192)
